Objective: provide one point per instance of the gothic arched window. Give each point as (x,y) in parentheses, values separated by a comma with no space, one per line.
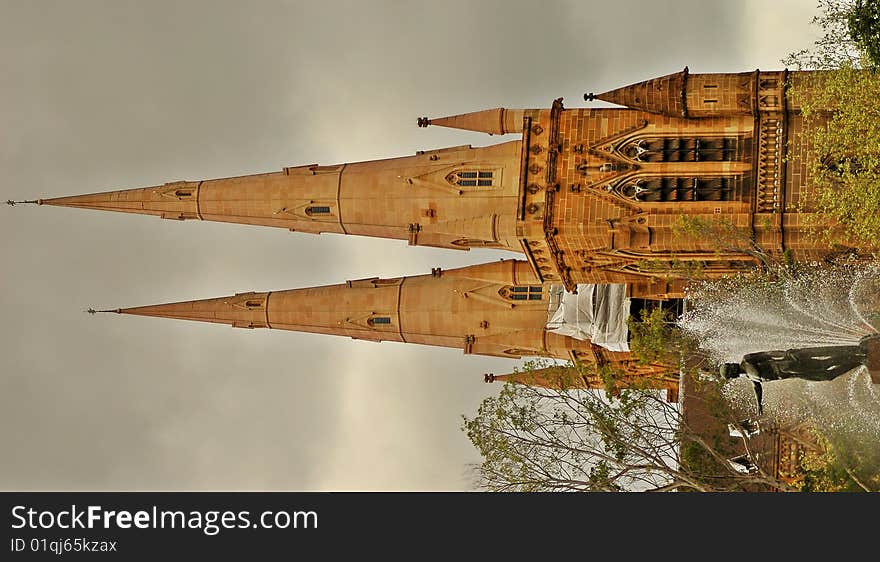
(522,292)
(678,149)
(472,178)
(682,189)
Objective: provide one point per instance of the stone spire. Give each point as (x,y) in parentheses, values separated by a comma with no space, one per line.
(664,95)
(428,199)
(565,377)
(170,201)
(403,309)
(498,121)
(475,309)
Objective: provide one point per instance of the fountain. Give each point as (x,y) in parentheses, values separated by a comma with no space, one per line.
(813,306)
(806,342)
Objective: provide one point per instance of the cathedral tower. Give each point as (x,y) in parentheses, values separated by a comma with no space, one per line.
(585,195)
(598,202)
(449,198)
(498,309)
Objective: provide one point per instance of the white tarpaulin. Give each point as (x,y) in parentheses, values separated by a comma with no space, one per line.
(597,313)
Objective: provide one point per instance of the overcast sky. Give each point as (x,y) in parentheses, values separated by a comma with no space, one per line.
(116,94)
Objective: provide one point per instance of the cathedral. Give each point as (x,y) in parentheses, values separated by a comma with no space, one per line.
(593,201)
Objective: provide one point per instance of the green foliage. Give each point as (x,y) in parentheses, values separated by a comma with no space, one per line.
(842,120)
(863,24)
(537,439)
(837,46)
(677,268)
(654,338)
(534,439)
(722,229)
(727,236)
(825,475)
(704,451)
(700,461)
(844,173)
(825,468)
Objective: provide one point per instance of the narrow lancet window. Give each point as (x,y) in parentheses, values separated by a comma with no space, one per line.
(317,210)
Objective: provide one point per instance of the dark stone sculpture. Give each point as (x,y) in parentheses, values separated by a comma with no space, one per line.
(809,363)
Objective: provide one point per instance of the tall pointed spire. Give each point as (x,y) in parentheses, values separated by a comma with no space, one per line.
(431,193)
(173,201)
(485,310)
(246,310)
(402,309)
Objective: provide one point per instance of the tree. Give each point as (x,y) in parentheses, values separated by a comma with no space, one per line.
(537,439)
(824,468)
(863,23)
(534,439)
(728,237)
(850,37)
(844,169)
(654,338)
(842,120)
